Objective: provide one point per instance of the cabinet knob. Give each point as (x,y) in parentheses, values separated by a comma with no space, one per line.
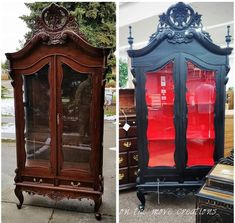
(120,160)
(127,144)
(121,176)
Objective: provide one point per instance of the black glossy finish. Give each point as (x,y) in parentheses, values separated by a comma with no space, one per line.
(178,42)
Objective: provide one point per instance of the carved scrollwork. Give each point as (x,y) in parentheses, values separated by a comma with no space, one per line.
(179,24)
(58,195)
(216,219)
(53,25)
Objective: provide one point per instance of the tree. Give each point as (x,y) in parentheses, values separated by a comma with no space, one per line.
(123,73)
(96,20)
(5,65)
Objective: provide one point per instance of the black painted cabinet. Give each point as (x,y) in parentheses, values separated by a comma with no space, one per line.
(180,79)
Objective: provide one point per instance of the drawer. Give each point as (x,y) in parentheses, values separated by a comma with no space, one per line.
(122,159)
(133,158)
(132,132)
(38,180)
(127,144)
(75,183)
(133,174)
(122,133)
(123,175)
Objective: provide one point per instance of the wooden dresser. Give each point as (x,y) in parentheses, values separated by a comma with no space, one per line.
(128,156)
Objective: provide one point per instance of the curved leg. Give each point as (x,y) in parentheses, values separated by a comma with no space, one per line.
(98,203)
(141,197)
(20,197)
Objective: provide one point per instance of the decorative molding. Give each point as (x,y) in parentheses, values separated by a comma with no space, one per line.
(53,25)
(179,23)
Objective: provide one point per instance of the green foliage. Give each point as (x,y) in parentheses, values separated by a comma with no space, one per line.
(96,20)
(5,65)
(123,73)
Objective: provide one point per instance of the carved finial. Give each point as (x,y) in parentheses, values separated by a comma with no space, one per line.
(228,37)
(130,38)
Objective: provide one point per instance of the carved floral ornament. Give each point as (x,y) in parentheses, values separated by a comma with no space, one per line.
(53,24)
(179,23)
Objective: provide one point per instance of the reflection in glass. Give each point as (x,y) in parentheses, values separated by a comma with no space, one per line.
(76,93)
(200,97)
(160,104)
(36,106)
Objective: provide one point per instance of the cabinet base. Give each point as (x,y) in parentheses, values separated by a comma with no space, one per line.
(174,188)
(59,193)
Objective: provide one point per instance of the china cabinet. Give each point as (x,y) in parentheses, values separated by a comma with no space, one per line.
(58,80)
(179,79)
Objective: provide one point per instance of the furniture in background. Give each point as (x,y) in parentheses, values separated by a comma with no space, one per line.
(215,198)
(128,157)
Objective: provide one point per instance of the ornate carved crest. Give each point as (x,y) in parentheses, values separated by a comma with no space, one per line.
(179,23)
(53,23)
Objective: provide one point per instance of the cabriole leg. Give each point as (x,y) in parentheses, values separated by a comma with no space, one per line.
(98,203)
(141,197)
(19,195)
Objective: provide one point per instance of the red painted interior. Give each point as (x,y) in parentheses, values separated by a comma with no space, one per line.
(161,131)
(200,97)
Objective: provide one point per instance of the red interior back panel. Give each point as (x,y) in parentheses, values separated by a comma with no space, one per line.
(200,97)
(160,104)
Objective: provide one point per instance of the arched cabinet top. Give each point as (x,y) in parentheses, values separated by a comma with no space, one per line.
(57,33)
(180,25)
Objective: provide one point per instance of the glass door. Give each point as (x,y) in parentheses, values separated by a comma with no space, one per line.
(200,98)
(37,133)
(74,119)
(159,96)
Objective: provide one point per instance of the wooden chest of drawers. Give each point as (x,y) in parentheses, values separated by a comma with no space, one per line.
(128,156)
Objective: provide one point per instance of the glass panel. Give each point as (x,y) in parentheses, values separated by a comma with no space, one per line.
(200,97)
(160,104)
(76,93)
(36,106)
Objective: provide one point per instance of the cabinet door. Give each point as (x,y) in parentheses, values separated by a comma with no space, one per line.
(200,99)
(37,93)
(74,119)
(159,97)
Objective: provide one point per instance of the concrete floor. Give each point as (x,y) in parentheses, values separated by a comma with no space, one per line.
(169,210)
(38,209)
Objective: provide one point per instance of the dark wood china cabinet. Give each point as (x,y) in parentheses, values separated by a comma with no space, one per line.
(180,79)
(58,81)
